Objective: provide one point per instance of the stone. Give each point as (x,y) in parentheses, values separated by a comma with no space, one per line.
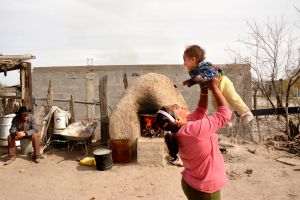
(150,151)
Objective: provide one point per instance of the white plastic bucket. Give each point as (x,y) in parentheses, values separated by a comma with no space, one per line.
(60,121)
(5,124)
(26,146)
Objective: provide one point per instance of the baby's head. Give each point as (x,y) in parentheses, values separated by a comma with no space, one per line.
(192,56)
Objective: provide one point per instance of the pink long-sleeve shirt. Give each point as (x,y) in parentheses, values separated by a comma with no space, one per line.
(203,162)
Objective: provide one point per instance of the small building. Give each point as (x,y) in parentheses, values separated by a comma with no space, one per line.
(13,96)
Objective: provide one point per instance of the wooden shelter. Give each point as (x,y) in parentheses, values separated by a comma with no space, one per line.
(24,90)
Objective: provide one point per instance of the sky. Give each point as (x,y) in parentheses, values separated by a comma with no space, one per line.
(124,32)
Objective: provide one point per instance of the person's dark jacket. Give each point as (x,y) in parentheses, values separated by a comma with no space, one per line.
(29,126)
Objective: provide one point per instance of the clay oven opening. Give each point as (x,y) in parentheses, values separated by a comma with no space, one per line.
(147,115)
(149,127)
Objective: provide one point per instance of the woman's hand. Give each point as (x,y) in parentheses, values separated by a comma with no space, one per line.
(203,87)
(203,95)
(213,83)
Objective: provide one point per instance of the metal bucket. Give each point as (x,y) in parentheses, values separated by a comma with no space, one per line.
(103,159)
(5,124)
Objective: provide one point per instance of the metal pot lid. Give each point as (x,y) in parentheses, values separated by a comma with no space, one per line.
(101,151)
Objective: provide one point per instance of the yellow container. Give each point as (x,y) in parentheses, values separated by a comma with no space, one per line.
(88,161)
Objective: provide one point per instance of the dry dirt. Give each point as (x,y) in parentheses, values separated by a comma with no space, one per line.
(251,176)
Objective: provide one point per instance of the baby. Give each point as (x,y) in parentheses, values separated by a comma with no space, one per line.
(201,71)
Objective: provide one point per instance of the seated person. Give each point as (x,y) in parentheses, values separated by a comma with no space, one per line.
(23,127)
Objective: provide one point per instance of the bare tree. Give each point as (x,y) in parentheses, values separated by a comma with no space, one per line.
(273,57)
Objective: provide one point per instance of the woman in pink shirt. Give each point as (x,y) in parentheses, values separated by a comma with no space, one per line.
(193,135)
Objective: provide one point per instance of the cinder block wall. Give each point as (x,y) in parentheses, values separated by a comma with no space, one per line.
(83,83)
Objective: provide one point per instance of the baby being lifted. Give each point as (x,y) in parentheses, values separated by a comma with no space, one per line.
(201,71)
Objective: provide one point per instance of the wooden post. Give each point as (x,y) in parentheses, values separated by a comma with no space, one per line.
(50,125)
(280,102)
(255,98)
(22,82)
(72,120)
(125,81)
(2,106)
(256,117)
(103,109)
(90,93)
(26,85)
(50,96)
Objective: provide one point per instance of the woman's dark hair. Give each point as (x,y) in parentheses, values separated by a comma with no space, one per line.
(195,51)
(164,123)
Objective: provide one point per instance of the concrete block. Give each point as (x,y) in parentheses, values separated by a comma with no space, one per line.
(56,76)
(80,112)
(62,105)
(115,91)
(115,77)
(90,95)
(132,73)
(150,151)
(73,75)
(80,94)
(73,83)
(100,74)
(60,96)
(45,77)
(90,75)
(39,92)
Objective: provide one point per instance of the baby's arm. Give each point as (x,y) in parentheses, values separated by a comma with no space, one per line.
(193,81)
(189,82)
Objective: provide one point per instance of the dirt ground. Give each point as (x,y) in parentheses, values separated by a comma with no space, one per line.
(59,176)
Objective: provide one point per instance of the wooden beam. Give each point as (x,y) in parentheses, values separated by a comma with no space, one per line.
(103,109)
(5,68)
(13,62)
(72,120)
(68,100)
(50,96)
(28,86)
(10,97)
(23,84)
(125,81)
(16,57)
(275,111)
